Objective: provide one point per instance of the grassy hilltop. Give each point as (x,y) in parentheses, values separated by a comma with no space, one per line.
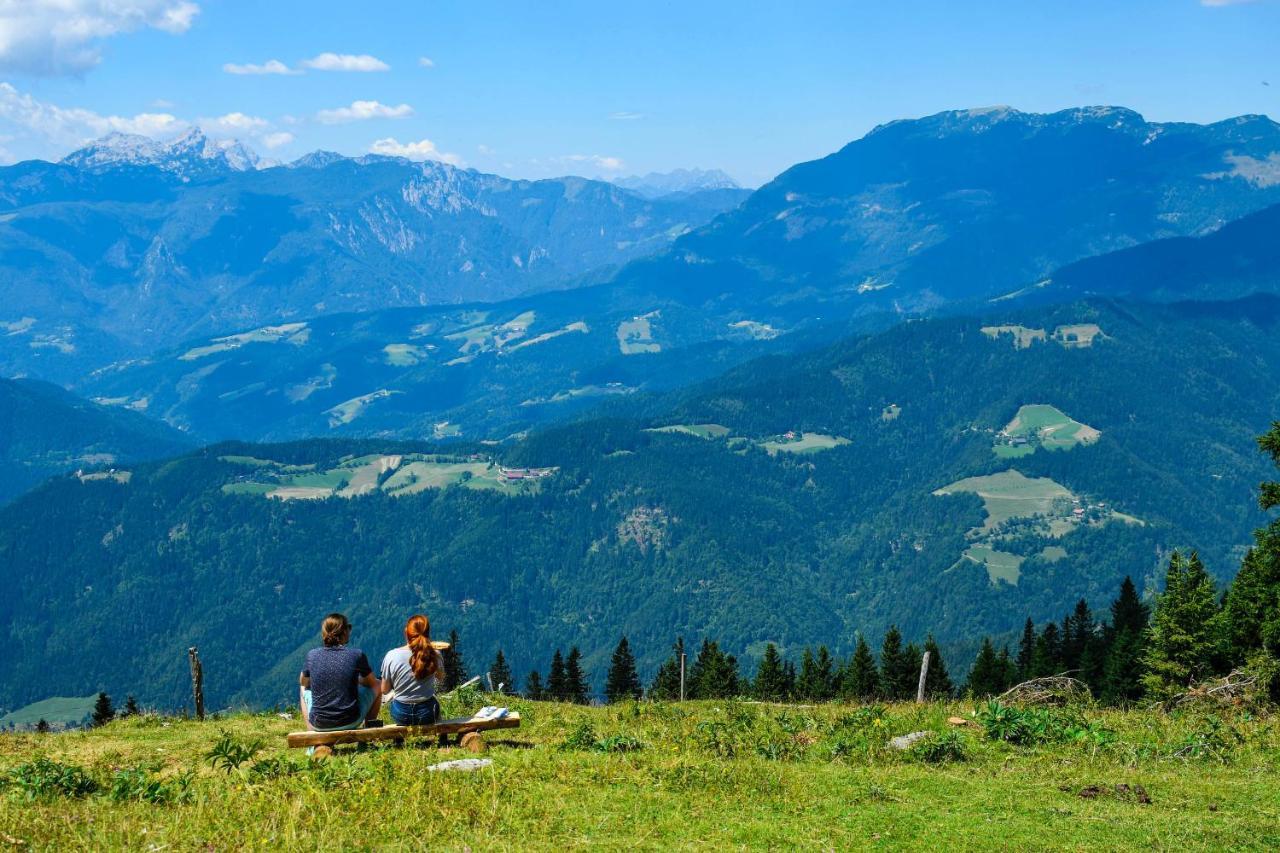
(657,775)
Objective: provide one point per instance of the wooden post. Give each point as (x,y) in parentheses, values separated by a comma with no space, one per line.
(924,674)
(682,676)
(197,680)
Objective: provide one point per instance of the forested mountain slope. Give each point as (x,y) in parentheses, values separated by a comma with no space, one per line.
(45,431)
(127,246)
(932,478)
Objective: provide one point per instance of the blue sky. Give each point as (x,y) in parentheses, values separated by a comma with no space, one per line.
(538,89)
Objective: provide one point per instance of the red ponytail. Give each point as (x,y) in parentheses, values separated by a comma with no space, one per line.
(423,659)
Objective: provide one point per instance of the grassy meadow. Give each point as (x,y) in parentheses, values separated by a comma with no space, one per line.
(662,775)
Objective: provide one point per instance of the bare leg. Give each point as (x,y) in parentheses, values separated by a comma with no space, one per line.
(302,706)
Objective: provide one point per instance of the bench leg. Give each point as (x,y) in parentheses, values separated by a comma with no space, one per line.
(472,742)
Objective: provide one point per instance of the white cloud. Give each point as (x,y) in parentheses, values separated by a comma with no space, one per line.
(608,164)
(162,104)
(345,62)
(625,116)
(63,36)
(271,66)
(362,111)
(73,126)
(275,140)
(484,149)
(234,123)
(426,62)
(423,149)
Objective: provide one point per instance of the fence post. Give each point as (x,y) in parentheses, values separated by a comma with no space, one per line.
(924,674)
(197,680)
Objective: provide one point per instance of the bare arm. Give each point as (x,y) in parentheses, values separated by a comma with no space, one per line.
(304,680)
(370,681)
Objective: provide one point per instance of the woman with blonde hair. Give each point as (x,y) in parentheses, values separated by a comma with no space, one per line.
(410,674)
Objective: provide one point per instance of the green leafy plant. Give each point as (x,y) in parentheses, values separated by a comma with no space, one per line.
(45,779)
(618,743)
(229,753)
(142,785)
(941,748)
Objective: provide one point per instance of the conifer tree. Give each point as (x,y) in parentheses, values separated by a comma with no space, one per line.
(987,676)
(714,674)
(500,674)
(579,692)
(666,682)
(1008,669)
(896,671)
(861,681)
(1047,659)
(533,688)
(557,679)
(806,682)
(771,679)
(1122,667)
(103,712)
(1027,650)
(42,726)
(788,678)
(130,706)
(937,682)
(825,675)
(1182,641)
(455,670)
(622,682)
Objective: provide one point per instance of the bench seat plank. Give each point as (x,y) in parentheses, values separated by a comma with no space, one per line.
(457,725)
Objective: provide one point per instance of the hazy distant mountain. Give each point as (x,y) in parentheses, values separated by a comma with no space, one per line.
(657,184)
(975,203)
(1240,258)
(130,245)
(45,431)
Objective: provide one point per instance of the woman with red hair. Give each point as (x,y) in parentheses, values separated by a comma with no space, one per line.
(410,673)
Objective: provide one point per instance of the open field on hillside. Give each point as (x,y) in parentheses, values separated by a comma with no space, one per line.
(697,430)
(394,474)
(57,710)
(659,776)
(808,442)
(1012,500)
(1041,425)
(1071,336)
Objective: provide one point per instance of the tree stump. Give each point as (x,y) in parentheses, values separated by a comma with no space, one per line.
(472,742)
(322,752)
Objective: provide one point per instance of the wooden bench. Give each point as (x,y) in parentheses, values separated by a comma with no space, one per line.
(466,728)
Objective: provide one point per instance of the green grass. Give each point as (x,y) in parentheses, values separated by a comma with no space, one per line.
(56,710)
(1000,565)
(809,442)
(1010,494)
(1044,426)
(697,430)
(706,774)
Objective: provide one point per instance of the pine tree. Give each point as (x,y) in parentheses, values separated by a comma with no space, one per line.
(987,676)
(130,706)
(1125,642)
(825,675)
(533,688)
(1027,650)
(1182,641)
(579,692)
(1008,669)
(897,675)
(455,670)
(42,726)
(666,682)
(623,682)
(714,674)
(806,681)
(937,682)
(1047,659)
(788,678)
(771,680)
(500,674)
(103,712)
(557,680)
(861,681)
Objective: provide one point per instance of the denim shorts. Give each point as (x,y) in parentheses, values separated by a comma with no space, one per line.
(415,714)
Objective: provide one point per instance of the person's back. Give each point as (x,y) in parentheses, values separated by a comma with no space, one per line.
(338,686)
(410,673)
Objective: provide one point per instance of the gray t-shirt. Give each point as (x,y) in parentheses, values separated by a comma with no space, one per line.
(406,686)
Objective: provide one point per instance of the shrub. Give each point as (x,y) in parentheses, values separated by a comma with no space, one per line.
(138,783)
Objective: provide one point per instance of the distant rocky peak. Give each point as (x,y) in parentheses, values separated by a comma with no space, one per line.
(190,154)
(657,184)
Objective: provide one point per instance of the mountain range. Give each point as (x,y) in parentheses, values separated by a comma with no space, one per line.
(129,245)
